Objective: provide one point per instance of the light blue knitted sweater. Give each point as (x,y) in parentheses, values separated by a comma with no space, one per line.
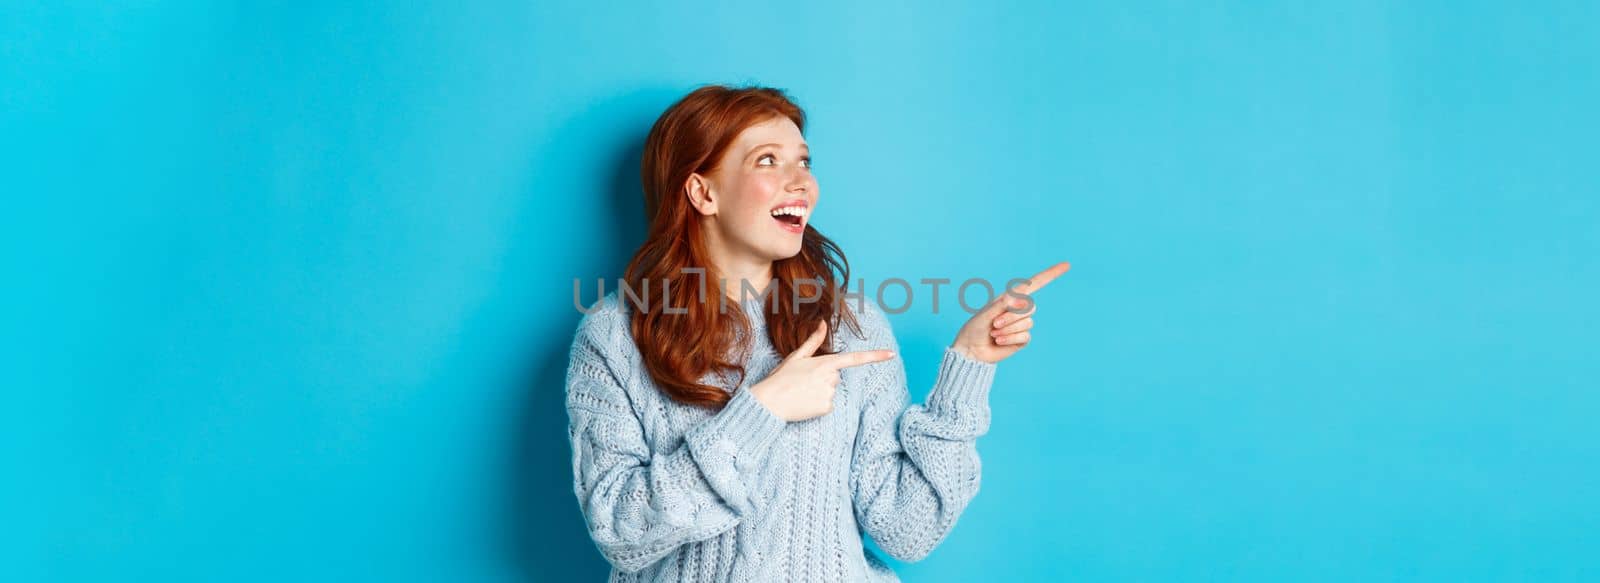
(674,492)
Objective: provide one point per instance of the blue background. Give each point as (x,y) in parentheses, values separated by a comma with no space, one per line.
(288,289)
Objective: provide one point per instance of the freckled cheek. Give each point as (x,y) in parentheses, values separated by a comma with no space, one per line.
(760,192)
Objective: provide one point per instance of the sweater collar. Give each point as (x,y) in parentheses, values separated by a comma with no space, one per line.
(753,308)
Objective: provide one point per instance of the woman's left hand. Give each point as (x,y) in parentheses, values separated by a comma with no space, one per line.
(996,332)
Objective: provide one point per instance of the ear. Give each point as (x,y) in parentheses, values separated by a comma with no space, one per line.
(698,189)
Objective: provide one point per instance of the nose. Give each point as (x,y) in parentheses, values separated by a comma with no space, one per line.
(800,181)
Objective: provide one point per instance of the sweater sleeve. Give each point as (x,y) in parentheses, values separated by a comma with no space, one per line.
(915,469)
(639,503)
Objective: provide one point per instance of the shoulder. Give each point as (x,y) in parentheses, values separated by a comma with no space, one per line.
(603,331)
(605,369)
(874,332)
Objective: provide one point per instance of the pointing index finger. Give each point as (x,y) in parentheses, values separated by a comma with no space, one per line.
(1033,285)
(1043,278)
(848,359)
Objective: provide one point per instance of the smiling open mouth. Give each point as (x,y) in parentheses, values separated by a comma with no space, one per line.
(791,217)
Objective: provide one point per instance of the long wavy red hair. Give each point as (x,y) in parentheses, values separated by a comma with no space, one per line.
(680,347)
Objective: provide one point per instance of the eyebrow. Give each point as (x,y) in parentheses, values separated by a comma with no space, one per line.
(753,149)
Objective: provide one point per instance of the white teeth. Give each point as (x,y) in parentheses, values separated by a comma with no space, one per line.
(790,210)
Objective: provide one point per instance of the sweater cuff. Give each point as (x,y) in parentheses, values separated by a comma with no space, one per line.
(740,434)
(962,386)
(750,426)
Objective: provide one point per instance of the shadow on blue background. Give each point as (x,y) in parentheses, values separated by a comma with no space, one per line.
(547,538)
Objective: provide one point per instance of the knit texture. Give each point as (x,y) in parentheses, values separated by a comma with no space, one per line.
(675,492)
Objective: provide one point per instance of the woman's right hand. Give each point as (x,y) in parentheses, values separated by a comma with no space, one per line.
(802,386)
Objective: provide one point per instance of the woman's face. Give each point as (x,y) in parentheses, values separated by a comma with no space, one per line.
(762,193)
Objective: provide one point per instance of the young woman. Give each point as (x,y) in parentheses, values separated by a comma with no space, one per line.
(753,431)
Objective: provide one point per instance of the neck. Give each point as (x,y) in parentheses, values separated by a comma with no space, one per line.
(741,271)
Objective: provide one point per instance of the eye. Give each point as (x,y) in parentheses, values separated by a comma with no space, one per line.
(805,162)
(766,160)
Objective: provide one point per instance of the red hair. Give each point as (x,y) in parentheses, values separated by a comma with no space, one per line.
(698,335)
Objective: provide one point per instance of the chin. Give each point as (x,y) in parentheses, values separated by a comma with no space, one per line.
(784,253)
